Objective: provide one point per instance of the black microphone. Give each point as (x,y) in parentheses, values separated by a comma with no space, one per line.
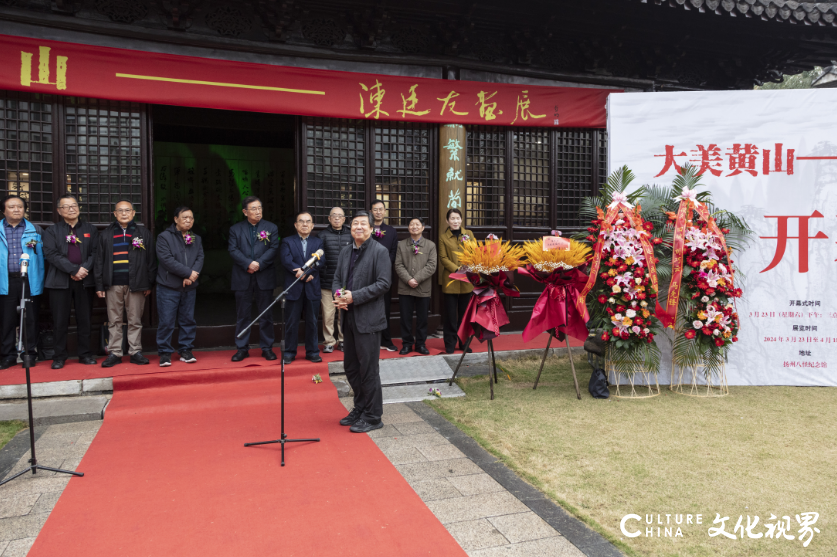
(24,264)
(314,258)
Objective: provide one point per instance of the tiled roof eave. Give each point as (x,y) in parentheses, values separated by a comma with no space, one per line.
(821,14)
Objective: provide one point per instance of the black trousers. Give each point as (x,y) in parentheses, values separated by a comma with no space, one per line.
(61,300)
(386,335)
(294,310)
(455,305)
(422,307)
(243,309)
(362,352)
(11,319)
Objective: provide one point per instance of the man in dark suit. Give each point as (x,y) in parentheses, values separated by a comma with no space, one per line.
(294,252)
(70,248)
(363,277)
(387,236)
(253,245)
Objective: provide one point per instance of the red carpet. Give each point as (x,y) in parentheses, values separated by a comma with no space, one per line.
(214,360)
(168,475)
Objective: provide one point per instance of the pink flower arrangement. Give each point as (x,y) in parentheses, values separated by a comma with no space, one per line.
(189,239)
(464,238)
(339,292)
(379,233)
(264,236)
(416,249)
(32,244)
(73,239)
(137,243)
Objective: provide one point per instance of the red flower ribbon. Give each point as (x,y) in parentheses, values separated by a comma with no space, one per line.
(552,311)
(485,313)
(647,250)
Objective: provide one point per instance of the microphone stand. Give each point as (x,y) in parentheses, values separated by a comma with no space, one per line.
(21,347)
(284,438)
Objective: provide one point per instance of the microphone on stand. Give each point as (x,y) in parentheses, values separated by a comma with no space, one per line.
(24,264)
(314,258)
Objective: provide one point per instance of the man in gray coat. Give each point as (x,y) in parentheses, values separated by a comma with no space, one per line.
(363,277)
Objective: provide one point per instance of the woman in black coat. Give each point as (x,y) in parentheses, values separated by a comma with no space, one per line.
(180,256)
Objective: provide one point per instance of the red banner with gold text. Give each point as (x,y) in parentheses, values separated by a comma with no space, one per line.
(42,66)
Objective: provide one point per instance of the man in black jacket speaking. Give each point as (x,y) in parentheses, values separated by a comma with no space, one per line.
(70,247)
(363,277)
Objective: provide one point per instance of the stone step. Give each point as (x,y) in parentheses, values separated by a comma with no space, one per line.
(415,393)
(48,411)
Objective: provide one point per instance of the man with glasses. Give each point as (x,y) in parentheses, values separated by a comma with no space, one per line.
(304,297)
(70,248)
(18,236)
(253,245)
(385,235)
(124,269)
(335,237)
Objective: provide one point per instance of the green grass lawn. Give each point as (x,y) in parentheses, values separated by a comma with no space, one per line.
(758,451)
(9,429)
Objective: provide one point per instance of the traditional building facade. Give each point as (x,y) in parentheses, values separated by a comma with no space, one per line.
(323,103)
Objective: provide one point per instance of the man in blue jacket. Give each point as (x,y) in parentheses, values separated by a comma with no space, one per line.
(19,236)
(253,245)
(303,297)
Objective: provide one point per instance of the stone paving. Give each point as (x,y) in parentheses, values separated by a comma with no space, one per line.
(25,503)
(481,514)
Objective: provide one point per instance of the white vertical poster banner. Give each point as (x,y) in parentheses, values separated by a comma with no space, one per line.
(771,158)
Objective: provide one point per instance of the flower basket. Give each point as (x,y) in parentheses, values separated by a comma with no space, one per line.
(487,265)
(700,305)
(558,270)
(623,280)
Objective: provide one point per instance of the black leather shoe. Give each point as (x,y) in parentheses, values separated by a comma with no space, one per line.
(353,417)
(7,363)
(405,349)
(240,355)
(57,364)
(287,360)
(362,426)
(340,347)
(269,354)
(315,359)
(87,360)
(139,359)
(468,351)
(112,360)
(423,350)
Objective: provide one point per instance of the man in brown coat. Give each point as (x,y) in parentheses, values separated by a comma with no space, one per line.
(415,263)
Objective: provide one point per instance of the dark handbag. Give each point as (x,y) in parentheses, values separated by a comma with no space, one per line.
(104,338)
(598,384)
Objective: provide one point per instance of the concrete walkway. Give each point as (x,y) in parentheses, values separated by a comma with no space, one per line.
(25,503)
